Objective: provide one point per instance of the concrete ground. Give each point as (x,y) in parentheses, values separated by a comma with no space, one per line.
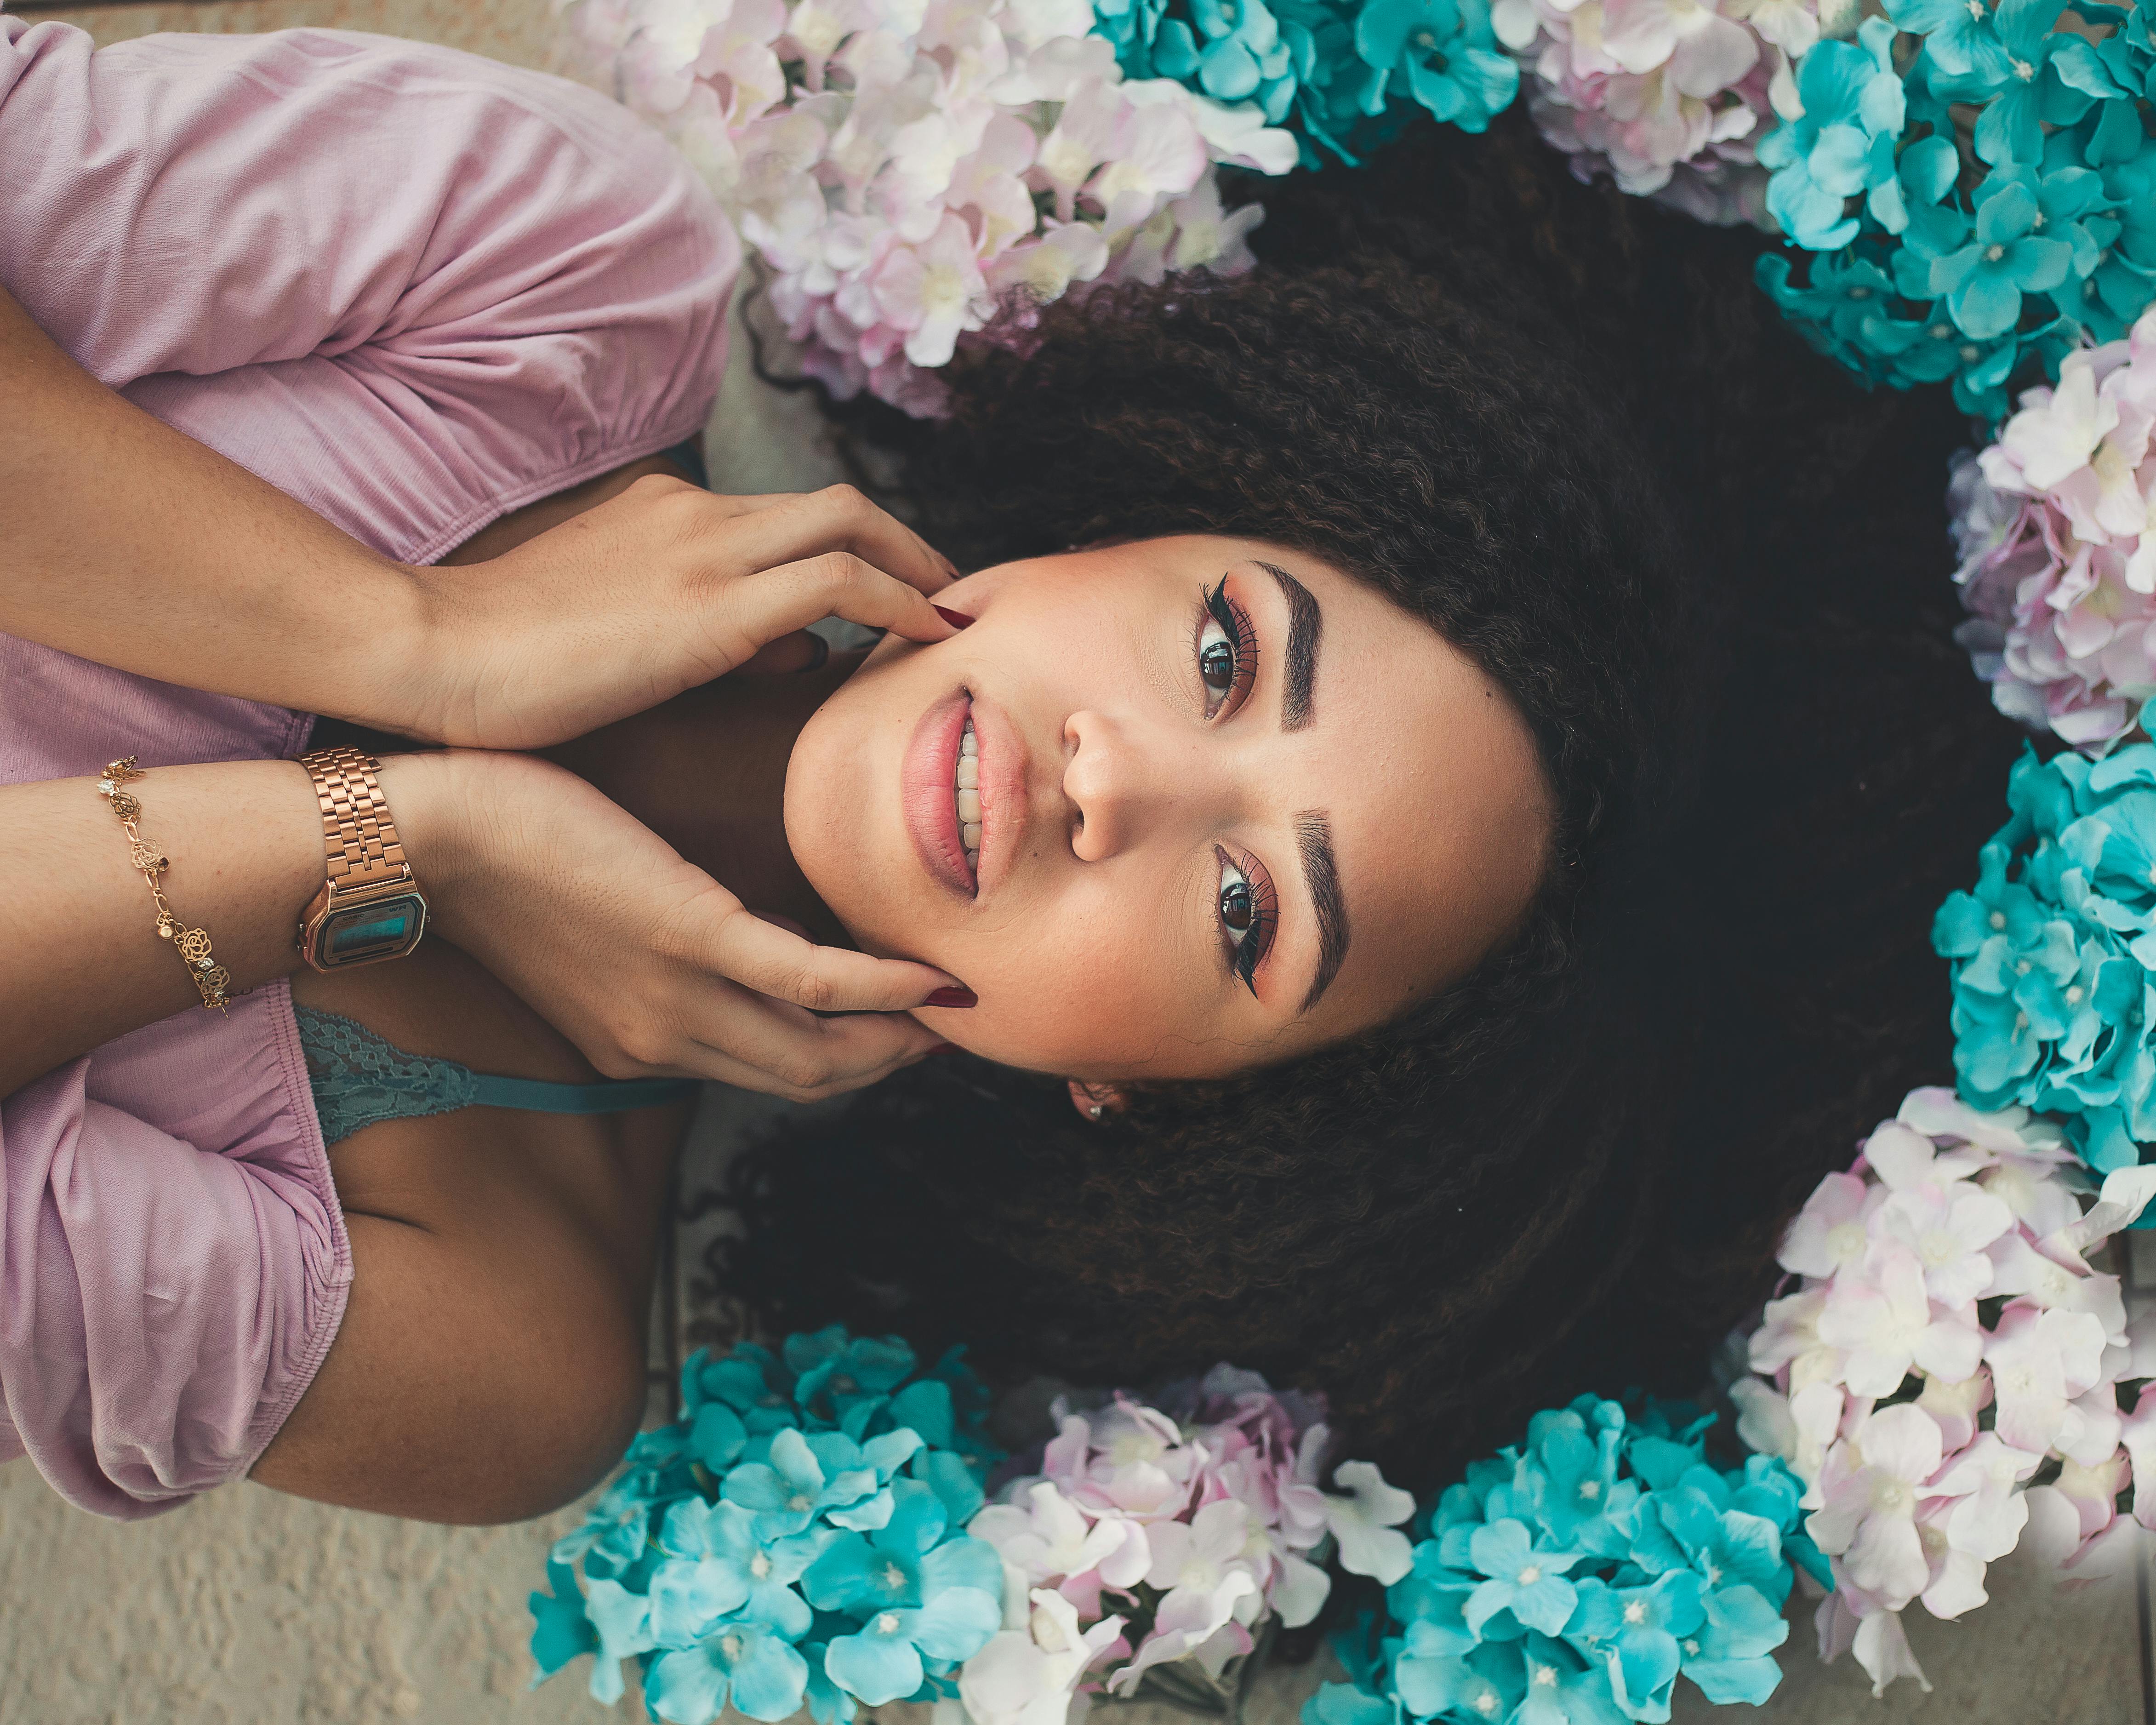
(247,1607)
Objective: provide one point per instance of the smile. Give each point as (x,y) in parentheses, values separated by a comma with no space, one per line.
(940,794)
(966,797)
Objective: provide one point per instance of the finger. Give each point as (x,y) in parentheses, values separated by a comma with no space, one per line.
(834,583)
(837,518)
(773,961)
(789,655)
(795,1054)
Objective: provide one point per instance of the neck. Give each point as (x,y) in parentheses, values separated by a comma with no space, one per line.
(707,771)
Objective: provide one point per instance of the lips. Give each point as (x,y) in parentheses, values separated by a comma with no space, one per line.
(926,778)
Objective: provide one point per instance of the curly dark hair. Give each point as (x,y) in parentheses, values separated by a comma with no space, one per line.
(1566,431)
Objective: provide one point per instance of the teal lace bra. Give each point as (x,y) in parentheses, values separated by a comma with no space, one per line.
(358,1078)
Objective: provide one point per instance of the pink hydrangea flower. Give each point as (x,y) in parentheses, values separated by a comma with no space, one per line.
(1669,97)
(1184,1526)
(1946,1343)
(882,157)
(2058,568)
(1872,1486)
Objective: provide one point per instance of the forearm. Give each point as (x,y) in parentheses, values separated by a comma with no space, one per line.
(82,961)
(126,543)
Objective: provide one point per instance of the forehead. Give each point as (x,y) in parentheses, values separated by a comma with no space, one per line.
(1434,792)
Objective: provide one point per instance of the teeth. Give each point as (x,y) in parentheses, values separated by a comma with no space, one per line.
(967,790)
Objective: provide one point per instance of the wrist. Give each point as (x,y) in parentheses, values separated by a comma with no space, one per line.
(433,675)
(432,799)
(383,674)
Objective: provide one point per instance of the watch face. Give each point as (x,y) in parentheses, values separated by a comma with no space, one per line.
(387,928)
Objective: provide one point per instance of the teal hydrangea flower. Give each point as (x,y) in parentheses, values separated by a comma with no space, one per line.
(796,1536)
(2006,258)
(1232,50)
(1344,75)
(1576,1577)
(2054,952)
(749,1665)
(1843,142)
(2007,243)
(1443,54)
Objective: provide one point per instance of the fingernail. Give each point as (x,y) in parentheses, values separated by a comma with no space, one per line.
(957,619)
(820,658)
(940,1048)
(952,996)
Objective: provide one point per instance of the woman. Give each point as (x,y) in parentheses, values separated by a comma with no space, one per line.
(1355,823)
(433,296)
(1706,568)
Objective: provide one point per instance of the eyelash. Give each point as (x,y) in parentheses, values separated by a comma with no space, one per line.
(1241,642)
(1247,951)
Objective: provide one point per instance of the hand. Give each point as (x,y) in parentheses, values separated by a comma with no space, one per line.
(658,590)
(645,963)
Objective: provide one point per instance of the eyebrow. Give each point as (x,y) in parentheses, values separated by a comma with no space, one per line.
(1306,625)
(1321,873)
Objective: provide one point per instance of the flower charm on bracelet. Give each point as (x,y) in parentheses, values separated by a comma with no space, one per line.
(212,980)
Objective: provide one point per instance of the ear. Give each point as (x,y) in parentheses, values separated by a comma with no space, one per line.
(1094,1101)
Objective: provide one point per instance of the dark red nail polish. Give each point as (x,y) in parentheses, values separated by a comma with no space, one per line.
(952,996)
(957,619)
(819,655)
(940,1048)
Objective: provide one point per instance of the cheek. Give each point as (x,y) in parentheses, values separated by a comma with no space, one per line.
(1069,993)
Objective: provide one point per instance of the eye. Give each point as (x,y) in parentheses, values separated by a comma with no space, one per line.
(1247,911)
(1227,651)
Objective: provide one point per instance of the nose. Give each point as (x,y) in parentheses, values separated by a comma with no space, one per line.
(1120,781)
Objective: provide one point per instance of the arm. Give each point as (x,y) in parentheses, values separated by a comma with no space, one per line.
(416,291)
(644,960)
(131,545)
(83,963)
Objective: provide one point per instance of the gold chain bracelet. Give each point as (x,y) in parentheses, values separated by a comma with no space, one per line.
(210,977)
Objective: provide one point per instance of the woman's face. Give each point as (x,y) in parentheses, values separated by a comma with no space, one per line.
(1232,805)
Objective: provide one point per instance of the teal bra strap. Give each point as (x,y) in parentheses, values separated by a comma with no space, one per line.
(359,1078)
(609,1097)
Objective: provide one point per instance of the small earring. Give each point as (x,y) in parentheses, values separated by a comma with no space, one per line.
(1093,1111)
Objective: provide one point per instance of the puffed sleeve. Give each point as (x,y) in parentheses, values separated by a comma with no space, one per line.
(411,287)
(162,1306)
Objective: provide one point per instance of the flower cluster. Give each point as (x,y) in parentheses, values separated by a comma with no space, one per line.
(1670,97)
(2054,952)
(1348,73)
(797,1535)
(1575,1577)
(2056,566)
(1155,1534)
(1964,251)
(1945,1376)
(903,169)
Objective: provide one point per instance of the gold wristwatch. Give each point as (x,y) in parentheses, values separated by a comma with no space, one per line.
(370,907)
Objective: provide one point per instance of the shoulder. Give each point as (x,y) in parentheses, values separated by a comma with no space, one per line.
(457,119)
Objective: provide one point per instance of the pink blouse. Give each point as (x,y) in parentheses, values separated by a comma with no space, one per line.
(414,290)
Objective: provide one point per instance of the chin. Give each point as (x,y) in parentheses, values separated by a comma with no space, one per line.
(845,838)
